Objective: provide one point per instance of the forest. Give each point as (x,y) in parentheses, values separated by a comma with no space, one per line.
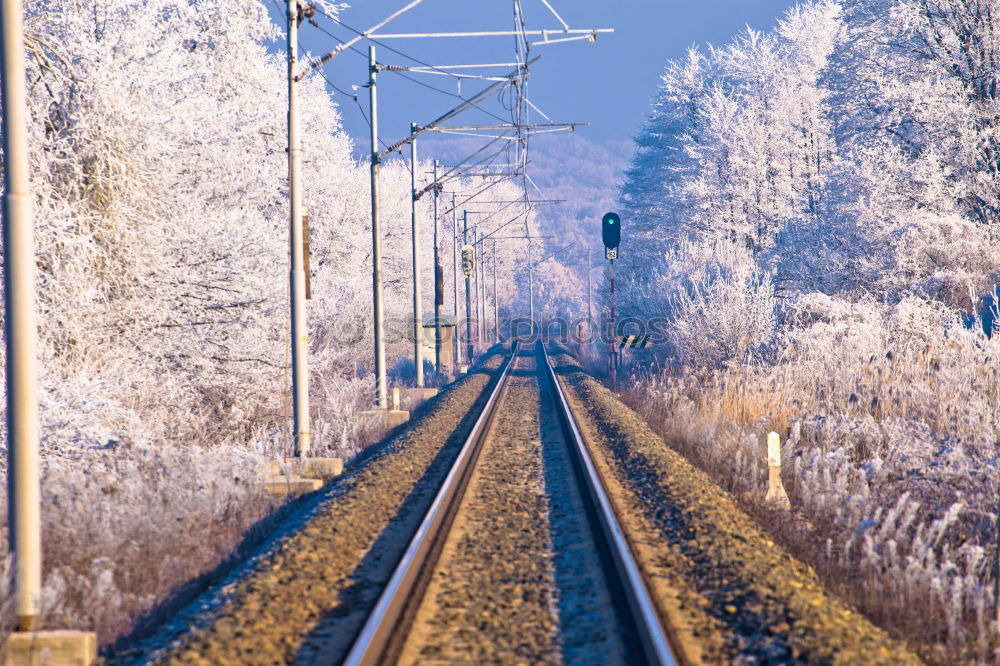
(159,176)
(814,210)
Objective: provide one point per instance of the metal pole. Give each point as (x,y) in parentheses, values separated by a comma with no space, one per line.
(297,275)
(496,310)
(469,352)
(484,326)
(483,336)
(457,347)
(475,288)
(381,399)
(474,312)
(480,290)
(23,492)
(590,300)
(418,324)
(531,292)
(468,294)
(438,281)
(614,358)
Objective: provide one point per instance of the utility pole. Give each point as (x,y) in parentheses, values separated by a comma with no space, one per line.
(23,490)
(438,281)
(380,379)
(531,292)
(454,279)
(496,310)
(468,294)
(480,290)
(590,300)
(418,347)
(475,290)
(297,277)
(485,290)
(474,316)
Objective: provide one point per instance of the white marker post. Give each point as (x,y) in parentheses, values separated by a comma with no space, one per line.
(776,494)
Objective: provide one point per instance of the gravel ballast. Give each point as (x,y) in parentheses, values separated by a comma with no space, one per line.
(520,578)
(490,599)
(766,606)
(329,573)
(512,585)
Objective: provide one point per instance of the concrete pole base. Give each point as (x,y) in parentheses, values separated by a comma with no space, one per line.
(776,495)
(314,468)
(386,418)
(51,648)
(290,486)
(417,394)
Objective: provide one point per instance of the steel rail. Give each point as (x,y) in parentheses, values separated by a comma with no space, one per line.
(381,633)
(386,628)
(644,616)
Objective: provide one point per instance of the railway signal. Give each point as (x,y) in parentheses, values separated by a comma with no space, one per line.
(611,234)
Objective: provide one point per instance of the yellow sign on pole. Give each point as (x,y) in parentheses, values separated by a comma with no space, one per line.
(468,260)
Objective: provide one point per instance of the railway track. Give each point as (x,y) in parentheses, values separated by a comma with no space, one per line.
(521,553)
(518,556)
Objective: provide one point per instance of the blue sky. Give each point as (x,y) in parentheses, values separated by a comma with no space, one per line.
(607,84)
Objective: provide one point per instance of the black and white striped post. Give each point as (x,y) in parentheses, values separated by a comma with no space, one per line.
(611,234)
(614,352)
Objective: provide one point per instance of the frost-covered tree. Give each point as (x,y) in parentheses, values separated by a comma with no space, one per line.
(737,148)
(918,79)
(817,209)
(737,144)
(844,149)
(913,99)
(158,134)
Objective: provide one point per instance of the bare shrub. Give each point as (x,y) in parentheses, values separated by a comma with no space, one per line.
(721,304)
(722,315)
(124,525)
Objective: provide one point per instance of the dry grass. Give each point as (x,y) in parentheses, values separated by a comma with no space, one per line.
(891,464)
(123,528)
(131,530)
(919,567)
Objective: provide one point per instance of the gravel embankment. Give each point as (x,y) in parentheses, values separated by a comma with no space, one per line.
(329,573)
(765,606)
(590,633)
(491,596)
(520,579)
